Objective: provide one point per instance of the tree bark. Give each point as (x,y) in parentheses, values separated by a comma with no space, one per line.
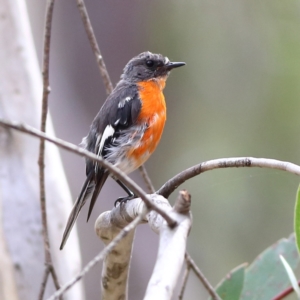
(21,243)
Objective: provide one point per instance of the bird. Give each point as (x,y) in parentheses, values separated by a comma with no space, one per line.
(127,129)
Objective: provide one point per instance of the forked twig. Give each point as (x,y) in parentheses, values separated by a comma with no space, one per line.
(49,269)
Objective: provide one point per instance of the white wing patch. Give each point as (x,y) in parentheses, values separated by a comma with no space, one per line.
(108,132)
(123,102)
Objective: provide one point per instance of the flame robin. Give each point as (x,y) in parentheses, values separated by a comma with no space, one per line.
(127,128)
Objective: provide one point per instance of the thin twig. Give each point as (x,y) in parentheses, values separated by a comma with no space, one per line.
(99,257)
(48,270)
(82,152)
(234,162)
(46,90)
(91,36)
(44,282)
(55,278)
(147,179)
(285,293)
(185,278)
(202,278)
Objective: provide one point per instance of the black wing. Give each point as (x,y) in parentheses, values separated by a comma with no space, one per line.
(119,112)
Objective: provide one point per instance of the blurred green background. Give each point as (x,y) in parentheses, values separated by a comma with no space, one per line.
(238,95)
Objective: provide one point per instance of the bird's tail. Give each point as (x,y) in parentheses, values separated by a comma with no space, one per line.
(101,178)
(89,187)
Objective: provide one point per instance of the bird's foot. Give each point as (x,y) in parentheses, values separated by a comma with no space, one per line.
(121,200)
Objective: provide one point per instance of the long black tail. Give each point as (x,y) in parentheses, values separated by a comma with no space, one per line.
(90,187)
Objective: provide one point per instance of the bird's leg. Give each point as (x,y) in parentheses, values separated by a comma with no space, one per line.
(130,196)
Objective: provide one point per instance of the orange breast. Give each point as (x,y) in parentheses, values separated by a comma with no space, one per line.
(153,112)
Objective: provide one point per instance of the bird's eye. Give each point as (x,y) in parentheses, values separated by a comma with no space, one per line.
(150,63)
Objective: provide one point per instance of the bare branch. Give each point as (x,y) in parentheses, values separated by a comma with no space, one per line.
(46,90)
(170,257)
(44,282)
(82,152)
(116,264)
(91,36)
(235,162)
(108,225)
(121,215)
(114,278)
(99,257)
(184,281)
(147,179)
(202,278)
(183,202)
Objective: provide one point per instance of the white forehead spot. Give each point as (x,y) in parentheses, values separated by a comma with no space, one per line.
(166,60)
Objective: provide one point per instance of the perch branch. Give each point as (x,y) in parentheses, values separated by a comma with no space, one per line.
(235,162)
(114,283)
(46,90)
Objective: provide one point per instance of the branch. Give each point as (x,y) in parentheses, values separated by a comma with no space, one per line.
(91,36)
(82,152)
(202,278)
(114,283)
(147,179)
(235,162)
(115,269)
(46,90)
(184,281)
(170,257)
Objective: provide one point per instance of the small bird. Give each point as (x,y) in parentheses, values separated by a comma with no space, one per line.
(127,128)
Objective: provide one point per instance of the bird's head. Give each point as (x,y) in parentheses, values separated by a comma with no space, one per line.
(147,66)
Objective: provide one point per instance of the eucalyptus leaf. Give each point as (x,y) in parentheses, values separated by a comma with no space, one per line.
(231,286)
(266,277)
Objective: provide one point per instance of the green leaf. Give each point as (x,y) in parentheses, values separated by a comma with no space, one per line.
(265,277)
(231,286)
(297,219)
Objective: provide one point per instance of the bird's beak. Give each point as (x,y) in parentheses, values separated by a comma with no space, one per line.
(173,65)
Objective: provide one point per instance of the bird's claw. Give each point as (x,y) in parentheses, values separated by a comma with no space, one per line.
(121,200)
